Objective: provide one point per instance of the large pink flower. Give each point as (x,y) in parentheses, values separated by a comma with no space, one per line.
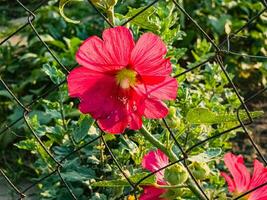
(241,181)
(153,161)
(119,81)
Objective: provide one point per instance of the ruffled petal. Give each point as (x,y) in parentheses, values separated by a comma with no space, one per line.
(259,177)
(166,90)
(111,53)
(238,170)
(99,100)
(135,109)
(119,44)
(116,122)
(152,193)
(81,79)
(155,109)
(155,160)
(259,194)
(230,182)
(135,121)
(147,57)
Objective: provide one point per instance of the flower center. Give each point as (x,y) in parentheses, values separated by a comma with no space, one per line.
(126,78)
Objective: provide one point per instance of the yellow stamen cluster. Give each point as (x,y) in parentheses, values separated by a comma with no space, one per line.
(126,78)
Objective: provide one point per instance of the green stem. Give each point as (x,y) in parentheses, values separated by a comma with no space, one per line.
(156,143)
(170,186)
(192,186)
(110,14)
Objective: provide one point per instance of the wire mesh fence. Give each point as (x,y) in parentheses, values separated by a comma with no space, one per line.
(219,51)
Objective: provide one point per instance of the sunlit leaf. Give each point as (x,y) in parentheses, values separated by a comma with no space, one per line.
(124,183)
(205,116)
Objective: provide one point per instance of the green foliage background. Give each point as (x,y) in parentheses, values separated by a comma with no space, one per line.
(204,107)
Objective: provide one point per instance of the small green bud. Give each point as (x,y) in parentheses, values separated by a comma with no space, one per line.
(176,174)
(111,3)
(99,4)
(172,111)
(172,194)
(200,170)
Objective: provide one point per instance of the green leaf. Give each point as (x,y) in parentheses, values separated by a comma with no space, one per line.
(55,74)
(205,116)
(62,4)
(29,144)
(98,196)
(124,183)
(85,123)
(74,176)
(143,19)
(206,156)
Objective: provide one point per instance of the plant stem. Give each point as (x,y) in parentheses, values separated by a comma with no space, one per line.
(192,186)
(110,14)
(156,143)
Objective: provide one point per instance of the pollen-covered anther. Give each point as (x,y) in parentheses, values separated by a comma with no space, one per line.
(126,78)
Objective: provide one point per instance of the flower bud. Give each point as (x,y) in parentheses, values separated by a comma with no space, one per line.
(172,111)
(111,3)
(175,174)
(172,194)
(200,170)
(99,4)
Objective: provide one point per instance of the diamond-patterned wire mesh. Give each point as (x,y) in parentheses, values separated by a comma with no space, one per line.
(183,158)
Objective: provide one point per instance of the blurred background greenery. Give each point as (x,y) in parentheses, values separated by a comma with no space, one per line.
(29,71)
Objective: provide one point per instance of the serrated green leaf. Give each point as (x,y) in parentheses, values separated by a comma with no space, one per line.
(29,144)
(143,20)
(62,4)
(199,116)
(205,116)
(124,183)
(55,74)
(206,156)
(85,124)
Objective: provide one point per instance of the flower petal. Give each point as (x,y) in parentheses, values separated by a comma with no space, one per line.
(135,109)
(111,53)
(147,57)
(135,121)
(155,160)
(116,122)
(99,101)
(259,177)
(238,170)
(119,44)
(259,194)
(230,182)
(166,90)
(155,109)
(81,79)
(152,193)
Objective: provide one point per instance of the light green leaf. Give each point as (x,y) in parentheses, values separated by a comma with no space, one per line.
(206,156)
(143,20)
(205,116)
(55,74)
(62,4)
(85,123)
(124,183)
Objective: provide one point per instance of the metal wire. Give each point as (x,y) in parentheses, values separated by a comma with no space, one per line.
(184,153)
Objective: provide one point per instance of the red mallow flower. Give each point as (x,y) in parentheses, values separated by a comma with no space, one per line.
(119,81)
(153,161)
(241,181)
